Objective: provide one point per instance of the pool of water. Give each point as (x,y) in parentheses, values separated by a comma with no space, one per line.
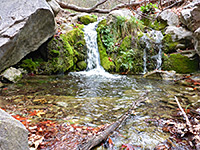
(95,100)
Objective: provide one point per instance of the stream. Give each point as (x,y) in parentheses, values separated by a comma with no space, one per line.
(97,100)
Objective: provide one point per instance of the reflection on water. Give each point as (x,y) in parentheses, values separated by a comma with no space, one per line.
(95,100)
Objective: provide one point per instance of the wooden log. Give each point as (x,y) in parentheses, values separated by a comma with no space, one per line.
(97,139)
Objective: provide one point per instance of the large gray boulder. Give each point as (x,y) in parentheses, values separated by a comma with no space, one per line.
(190,16)
(24,26)
(13,134)
(170,17)
(122,13)
(179,33)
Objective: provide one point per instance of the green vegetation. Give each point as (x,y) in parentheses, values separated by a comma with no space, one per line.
(148,8)
(30,65)
(87,19)
(118,42)
(180,63)
(169,44)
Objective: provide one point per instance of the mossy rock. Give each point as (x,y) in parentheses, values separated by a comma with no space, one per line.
(30,65)
(158,25)
(179,63)
(82,65)
(87,19)
(104,58)
(169,44)
(65,51)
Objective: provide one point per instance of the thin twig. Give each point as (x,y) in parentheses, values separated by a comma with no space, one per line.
(184,114)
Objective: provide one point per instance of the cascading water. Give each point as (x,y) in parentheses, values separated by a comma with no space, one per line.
(93,60)
(145,39)
(90,36)
(157,37)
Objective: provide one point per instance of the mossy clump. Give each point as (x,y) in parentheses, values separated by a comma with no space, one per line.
(82,65)
(169,45)
(87,19)
(107,64)
(30,65)
(179,63)
(129,57)
(66,51)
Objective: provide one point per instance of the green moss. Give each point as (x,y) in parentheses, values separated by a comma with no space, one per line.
(82,65)
(30,65)
(87,19)
(105,63)
(65,51)
(54,53)
(126,44)
(158,25)
(169,44)
(180,63)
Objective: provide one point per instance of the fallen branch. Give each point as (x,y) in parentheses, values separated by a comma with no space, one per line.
(94,9)
(184,114)
(97,139)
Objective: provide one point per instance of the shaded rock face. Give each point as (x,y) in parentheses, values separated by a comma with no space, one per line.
(14,135)
(24,26)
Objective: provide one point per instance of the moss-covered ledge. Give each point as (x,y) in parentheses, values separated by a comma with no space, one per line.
(180,64)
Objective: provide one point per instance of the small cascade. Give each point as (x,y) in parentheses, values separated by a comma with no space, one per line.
(90,36)
(157,36)
(148,39)
(145,39)
(93,58)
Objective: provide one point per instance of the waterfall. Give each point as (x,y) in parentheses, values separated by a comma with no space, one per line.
(145,39)
(93,58)
(156,38)
(90,36)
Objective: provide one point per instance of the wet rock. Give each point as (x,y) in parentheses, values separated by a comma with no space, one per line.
(62,104)
(12,74)
(24,26)
(165,75)
(170,17)
(14,135)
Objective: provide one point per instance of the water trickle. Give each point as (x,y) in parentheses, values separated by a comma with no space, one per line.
(146,40)
(156,38)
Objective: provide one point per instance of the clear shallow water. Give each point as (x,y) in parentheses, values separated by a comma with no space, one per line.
(95,100)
